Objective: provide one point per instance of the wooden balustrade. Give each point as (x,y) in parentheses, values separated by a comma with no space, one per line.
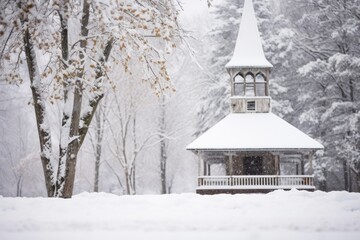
(258,181)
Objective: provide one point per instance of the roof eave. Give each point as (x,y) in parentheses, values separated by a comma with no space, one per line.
(254,149)
(242,66)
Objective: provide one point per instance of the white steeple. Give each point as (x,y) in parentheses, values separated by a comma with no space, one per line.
(248,49)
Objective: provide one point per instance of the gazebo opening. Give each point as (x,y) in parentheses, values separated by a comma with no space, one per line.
(253,165)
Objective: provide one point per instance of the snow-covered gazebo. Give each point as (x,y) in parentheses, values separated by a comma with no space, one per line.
(251,143)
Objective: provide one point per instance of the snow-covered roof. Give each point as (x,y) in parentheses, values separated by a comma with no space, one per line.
(253,132)
(248,49)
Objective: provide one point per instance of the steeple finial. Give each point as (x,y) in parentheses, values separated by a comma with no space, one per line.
(248,51)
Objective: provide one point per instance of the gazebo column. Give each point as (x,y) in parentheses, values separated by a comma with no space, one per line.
(302,166)
(201,165)
(309,158)
(231,163)
(311,169)
(302,163)
(207,169)
(277,164)
(281,157)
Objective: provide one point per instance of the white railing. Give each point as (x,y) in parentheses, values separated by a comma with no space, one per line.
(258,181)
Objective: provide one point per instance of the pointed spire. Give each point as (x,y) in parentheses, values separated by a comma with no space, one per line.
(248,49)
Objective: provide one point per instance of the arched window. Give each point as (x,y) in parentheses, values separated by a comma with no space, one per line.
(239,85)
(249,85)
(260,85)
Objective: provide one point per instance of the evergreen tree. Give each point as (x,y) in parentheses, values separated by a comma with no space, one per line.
(329,33)
(214,105)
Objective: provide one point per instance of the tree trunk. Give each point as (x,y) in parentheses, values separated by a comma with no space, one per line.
(100,119)
(74,145)
(40,111)
(133,166)
(133,179)
(350,180)
(98,149)
(323,183)
(65,121)
(127,181)
(163,153)
(346,175)
(67,182)
(358,181)
(163,159)
(19,186)
(351,86)
(88,116)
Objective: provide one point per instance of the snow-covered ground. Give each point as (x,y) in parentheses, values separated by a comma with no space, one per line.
(277,215)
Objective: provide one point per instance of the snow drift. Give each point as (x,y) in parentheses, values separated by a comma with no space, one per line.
(280,214)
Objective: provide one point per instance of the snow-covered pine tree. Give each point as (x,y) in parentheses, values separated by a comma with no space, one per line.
(214,105)
(329,33)
(326,52)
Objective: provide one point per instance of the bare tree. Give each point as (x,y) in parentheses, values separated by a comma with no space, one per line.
(127,144)
(97,140)
(163,145)
(17,152)
(70,71)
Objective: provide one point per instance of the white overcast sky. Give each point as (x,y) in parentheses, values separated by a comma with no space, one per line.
(194,7)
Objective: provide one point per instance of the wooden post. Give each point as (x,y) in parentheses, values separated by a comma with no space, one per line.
(277,163)
(231,169)
(267,84)
(311,170)
(208,167)
(232,79)
(201,164)
(297,168)
(302,166)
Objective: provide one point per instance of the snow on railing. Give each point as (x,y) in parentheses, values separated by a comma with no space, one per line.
(273,181)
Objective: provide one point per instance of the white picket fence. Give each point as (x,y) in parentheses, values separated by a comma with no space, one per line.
(256,182)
